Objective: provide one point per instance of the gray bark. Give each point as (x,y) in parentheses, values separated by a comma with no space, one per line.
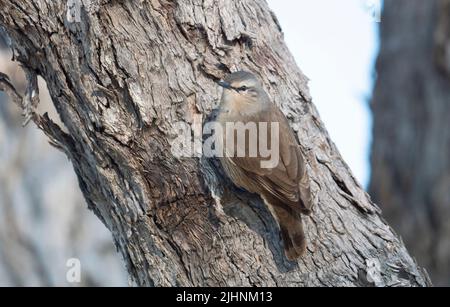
(43,221)
(411,149)
(120,80)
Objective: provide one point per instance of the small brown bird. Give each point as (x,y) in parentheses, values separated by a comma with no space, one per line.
(284,187)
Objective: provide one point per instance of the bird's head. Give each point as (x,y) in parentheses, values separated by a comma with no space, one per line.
(241,86)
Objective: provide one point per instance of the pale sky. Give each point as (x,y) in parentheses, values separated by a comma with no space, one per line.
(335,44)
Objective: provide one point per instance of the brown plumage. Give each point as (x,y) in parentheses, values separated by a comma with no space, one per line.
(284,187)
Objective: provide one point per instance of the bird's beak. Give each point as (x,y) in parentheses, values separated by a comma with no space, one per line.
(225,85)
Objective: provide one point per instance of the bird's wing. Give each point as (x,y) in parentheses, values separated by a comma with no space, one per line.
(288,181)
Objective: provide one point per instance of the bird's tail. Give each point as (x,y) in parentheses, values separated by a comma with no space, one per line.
(291,228)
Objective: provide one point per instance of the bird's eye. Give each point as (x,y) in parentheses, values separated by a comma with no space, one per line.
(243,88)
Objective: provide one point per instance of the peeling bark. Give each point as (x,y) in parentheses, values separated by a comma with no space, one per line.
(43,222)
(125,75)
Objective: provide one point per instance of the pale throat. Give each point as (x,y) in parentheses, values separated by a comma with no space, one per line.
(236,104)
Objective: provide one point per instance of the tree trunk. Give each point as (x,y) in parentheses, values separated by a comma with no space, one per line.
(411,149)
(124,76)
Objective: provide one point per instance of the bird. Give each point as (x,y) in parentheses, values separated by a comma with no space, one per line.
(284,187)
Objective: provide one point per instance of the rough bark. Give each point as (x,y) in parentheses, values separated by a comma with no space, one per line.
(43,222)
(124,76)
(411,149)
